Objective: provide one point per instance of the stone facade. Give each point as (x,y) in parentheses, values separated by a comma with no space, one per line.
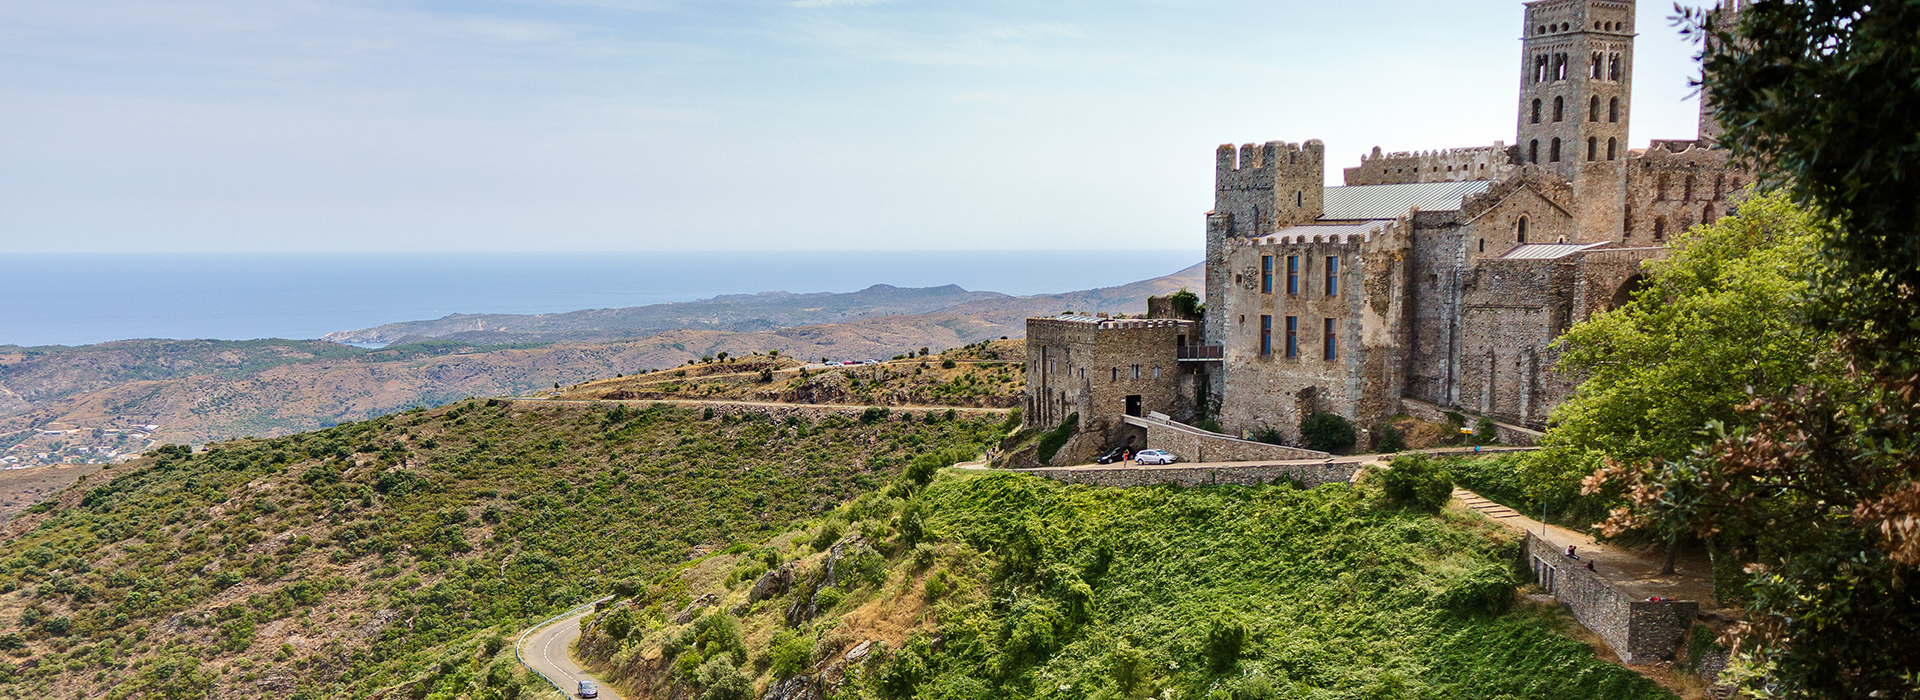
(1104,369)
(1640,631)
(1439,276)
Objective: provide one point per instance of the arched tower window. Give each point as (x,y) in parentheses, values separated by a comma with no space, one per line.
(1612,148)
(1593,148)
(1613,68)
(1613,110)
(1686,193)
(1520,230)
(1559,108)
(1533,151)
(1660,188)
(1536,111)
(1659,228)
(1594,66)
(1593,109)
(1553,152)
(1540,68)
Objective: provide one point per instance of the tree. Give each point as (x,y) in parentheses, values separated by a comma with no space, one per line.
(1709,328)
(1819,487)
(1327,432)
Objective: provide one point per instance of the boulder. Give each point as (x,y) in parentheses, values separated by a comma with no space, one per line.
(801,687)
(693,608)
(773,583)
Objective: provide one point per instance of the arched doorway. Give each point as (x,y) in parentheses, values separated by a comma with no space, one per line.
(1625,292)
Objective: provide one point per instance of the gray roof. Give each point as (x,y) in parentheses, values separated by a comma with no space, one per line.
(1549,251)
(1358,202)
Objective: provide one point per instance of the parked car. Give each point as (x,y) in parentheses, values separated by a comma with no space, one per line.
(1117,454)
(1155,457)
(589,690)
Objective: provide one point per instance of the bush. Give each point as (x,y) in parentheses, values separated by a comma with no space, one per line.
(791,654)
(1485,432)
(946,364)
(830,533)
(1054,439)
(1269,436)
(1488,591)
(1387,438)
(1415,481)
(1327,432)
(874,414)
(1226,637)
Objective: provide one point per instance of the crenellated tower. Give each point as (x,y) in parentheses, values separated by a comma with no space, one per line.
(1265,188)
(1576,83)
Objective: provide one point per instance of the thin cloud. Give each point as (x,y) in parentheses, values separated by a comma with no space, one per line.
(816,4)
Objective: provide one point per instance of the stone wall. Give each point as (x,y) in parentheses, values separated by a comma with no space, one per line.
(1676,184)
(1268,389)
(1509,434)
(1512,311)
(1192,444)
(1309,475)
(1639,631)
(1102,369)
(1452,165)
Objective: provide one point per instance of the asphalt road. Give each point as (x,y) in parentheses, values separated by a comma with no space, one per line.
(546,652)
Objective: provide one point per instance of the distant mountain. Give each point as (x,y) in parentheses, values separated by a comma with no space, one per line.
(734,312)
(200,391)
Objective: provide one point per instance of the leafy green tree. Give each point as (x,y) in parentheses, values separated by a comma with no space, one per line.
(1710,327)
(791,654)
(1818,487)
(1327,432)
(1415,481)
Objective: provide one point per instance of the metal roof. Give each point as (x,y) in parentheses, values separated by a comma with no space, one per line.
(1358,202)
(1548,251)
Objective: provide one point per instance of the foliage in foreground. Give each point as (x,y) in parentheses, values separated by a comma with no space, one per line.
(1026,588)
(335,563)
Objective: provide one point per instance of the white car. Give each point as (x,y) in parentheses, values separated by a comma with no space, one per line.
(1154,457)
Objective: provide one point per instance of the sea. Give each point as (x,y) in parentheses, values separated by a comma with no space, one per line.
(78,299)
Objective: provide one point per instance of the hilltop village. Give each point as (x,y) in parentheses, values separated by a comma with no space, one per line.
(1429,282)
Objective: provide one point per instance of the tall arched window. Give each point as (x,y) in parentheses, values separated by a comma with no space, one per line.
(1520,229)
(1536,111)
(1540,68)
(1612,148)
(1559,108)
(1593,148)
(1659,227)
(1686,193)
(1593,109)
(1553,152)
(1613,68)
(1660,188)
(1613,110)
(1594,66)
(1533,151)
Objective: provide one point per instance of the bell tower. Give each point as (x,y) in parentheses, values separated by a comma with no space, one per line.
(1576,83)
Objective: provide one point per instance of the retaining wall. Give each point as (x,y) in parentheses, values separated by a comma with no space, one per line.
(1640,631)
(1192,444)
(1509,434)
(1310,475)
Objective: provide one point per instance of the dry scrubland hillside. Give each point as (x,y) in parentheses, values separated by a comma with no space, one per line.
(987,374)
(199,391)
(390,558)
(980,585)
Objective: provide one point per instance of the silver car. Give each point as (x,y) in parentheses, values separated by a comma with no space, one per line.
(1155,457)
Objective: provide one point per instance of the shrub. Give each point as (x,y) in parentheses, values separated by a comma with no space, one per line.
(946,364)
(1054,439)
(939,585)
(1187,304)
(1485,432)
(1488,591)
(719,680)
(791,654)
(620,623)
(1269,436)
(830,533)
(874,414)
(1226,637)
(1387,438)
(1327,432)
(1415,481)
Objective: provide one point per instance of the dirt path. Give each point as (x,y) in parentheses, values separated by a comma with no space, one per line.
(1635,571)
(767,404)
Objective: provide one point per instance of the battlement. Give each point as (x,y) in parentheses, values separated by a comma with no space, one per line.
(1260,187)
(1493,162)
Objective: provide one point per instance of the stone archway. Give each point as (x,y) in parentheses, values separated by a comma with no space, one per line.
(1624,293)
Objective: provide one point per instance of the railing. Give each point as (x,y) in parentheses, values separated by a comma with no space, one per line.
(1202,353)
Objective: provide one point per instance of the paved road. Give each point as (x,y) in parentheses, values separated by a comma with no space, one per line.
(545,650)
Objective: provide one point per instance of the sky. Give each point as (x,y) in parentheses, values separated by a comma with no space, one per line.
(637,125)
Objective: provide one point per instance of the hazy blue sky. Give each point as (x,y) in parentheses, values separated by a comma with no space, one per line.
(240,125)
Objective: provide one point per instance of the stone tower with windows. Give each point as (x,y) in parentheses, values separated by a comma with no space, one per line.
(1576,83)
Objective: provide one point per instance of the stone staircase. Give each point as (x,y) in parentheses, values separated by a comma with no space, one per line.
(1480,503)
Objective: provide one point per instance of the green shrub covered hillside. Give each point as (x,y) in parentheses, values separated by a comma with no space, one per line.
(1007,586)
(395,557)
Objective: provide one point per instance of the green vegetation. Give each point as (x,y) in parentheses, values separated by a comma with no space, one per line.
(390,551)
(1053,440)
(1415,481)
(1327,432)
(1020,587)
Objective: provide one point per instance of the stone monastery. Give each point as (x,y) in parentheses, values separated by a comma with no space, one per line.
(1431,280)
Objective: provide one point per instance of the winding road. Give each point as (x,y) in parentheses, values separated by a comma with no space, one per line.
(545,651)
